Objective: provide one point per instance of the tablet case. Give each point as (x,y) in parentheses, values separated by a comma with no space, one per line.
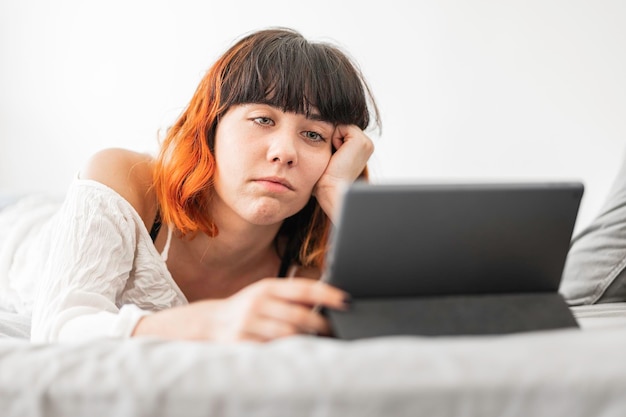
(452,259)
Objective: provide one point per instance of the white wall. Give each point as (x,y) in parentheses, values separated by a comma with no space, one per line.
(468,89)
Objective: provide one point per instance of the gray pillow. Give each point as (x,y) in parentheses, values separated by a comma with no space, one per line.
(595,269)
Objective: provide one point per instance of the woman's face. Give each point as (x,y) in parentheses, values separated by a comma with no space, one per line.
(268,162)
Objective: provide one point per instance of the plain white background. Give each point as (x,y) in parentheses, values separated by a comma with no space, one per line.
(468,90)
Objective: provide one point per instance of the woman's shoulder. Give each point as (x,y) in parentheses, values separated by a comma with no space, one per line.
(128,173)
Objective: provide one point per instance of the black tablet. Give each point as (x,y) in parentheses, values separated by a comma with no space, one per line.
(429,258)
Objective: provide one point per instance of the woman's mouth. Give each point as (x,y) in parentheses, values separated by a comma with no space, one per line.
(275,184)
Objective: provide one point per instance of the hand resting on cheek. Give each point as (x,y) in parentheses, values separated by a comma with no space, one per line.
(353,150)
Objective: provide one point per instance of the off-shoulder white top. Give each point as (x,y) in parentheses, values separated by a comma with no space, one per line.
(83,268)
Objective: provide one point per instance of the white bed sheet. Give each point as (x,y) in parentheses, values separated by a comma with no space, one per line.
(557,373)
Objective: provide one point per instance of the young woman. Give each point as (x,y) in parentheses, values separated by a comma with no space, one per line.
(196,243)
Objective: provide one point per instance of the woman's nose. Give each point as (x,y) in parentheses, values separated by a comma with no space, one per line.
(282,149)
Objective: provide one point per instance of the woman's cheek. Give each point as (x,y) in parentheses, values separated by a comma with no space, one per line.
(321,166)
(316,164)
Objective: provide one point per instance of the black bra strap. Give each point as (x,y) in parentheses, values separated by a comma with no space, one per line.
(285,263)
(156,226)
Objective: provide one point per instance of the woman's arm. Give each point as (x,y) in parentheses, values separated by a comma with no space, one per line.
(92,249)
(268,309)
(92,243)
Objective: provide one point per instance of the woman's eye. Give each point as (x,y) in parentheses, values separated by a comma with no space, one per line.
(314,136)
(264,121)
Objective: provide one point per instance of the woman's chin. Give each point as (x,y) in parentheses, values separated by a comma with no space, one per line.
(267,213)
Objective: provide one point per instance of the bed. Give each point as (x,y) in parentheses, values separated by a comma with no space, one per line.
(574,372)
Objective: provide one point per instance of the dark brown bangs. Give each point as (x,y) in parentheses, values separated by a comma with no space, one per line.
(283,69)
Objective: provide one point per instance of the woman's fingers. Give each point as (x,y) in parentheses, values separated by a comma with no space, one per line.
(303,318)
(264,329)
(279,308)
(269,327)
(309,292)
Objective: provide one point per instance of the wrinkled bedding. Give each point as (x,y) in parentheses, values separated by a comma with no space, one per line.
(575,372)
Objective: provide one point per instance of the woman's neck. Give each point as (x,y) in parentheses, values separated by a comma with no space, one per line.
(234,245)
(217,267)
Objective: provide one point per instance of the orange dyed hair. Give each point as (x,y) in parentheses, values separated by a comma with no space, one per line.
(278,67)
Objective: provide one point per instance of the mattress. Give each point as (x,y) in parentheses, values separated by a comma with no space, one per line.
(573,372)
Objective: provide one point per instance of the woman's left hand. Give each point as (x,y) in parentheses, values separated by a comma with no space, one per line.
(353,150)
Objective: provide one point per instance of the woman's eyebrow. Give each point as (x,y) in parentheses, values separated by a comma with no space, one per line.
(317,117)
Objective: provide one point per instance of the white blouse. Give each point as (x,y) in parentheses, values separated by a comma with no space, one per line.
(84,269)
